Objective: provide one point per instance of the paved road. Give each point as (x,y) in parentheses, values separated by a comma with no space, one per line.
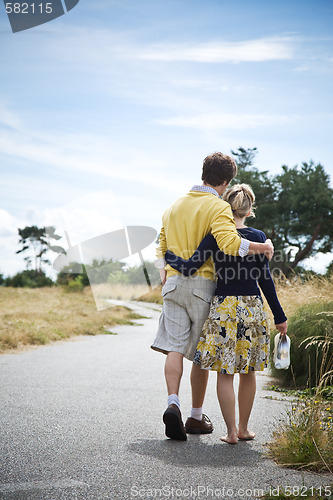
(82,420)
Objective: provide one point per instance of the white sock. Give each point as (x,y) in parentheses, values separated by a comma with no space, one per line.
(196,413)
(173,399)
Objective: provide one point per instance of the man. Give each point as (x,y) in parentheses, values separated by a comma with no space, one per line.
(186,301)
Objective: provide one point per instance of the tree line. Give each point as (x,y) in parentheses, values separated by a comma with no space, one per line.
(36,242)
(294,209)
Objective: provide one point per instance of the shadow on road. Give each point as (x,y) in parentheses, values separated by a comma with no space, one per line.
(196,452)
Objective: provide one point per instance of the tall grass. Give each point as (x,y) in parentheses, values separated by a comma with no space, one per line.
(295,292)
(304,438)
(310,321)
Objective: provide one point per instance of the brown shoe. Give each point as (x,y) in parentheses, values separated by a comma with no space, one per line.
(174,427)
(203,426)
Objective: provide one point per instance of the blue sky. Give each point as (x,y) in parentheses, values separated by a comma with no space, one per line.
(112,107)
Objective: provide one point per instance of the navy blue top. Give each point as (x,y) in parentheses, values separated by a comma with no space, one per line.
(235,275)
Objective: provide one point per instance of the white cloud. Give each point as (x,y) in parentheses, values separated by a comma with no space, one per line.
(103,47)
(260,50)
(318,262)
(226,121)
(9,119)
(303,68)
(201,85)
(10,262)
(86,217)
(8,224)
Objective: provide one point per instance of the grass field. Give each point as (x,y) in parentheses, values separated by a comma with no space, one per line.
(41,315)
(295,293)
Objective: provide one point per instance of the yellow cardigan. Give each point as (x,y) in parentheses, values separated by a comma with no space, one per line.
(189,220)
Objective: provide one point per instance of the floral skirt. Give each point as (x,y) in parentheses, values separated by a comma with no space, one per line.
(235,336)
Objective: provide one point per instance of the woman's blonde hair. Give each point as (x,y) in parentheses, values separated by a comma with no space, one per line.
(241,199)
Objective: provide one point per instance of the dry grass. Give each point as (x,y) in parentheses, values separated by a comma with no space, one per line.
(292,293)
(154,296)
(42,315)
(304,437)
(117,291)
(295,293)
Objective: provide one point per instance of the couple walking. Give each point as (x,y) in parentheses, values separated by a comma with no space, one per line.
(221,325)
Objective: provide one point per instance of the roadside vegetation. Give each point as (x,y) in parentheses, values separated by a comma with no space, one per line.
(38,316)
(303,436)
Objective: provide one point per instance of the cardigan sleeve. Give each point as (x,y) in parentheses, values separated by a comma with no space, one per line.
(162,245)
(223,228)
(267,286)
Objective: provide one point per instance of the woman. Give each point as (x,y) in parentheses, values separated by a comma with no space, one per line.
(235,336)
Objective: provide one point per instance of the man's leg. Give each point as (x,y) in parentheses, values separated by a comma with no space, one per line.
(173,370)
(199,379)
(199,307)
(198,423)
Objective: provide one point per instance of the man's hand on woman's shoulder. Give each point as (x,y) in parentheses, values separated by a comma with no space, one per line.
(265,248)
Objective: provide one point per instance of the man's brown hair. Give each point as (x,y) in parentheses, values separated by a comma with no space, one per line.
(218,168)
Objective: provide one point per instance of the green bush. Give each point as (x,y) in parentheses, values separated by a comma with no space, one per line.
(71,272)
(137,275)
(308,363)
(28,279)
(75,285)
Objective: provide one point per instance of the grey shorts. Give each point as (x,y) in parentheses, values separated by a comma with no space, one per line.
(186,303)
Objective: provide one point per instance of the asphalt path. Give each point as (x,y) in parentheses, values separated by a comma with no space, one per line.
(82,419)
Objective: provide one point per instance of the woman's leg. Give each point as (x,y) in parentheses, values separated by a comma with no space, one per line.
(226,397)
(246,393)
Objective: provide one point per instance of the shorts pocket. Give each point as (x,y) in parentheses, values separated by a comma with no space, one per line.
(204,295)
(167,288)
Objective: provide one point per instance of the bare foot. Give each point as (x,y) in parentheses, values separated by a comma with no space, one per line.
(230,439)
(246,436)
